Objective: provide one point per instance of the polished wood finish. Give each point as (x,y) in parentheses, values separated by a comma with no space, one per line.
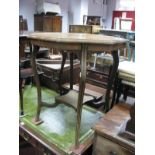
(108,140)
(81,44)
(47,23)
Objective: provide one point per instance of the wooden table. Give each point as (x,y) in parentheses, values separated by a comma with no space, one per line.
(81,44)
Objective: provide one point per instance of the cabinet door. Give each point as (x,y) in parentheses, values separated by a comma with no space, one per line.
(38,23)
(48,24)
(57,23)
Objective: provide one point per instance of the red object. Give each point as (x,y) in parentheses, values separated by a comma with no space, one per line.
(129,14)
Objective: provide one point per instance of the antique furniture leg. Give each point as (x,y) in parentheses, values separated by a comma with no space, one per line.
(115,91)
(81,93)
(71,70)
(119,90)
(21,96)
(111,78)
(33,54)
(64,56)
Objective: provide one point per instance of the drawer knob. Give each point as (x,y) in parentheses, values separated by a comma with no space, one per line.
(112,153)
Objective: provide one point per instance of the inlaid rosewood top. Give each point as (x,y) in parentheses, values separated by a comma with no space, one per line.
(76,38)
(102,41)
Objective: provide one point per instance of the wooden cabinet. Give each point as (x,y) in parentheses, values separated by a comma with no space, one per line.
(108,139)
(47,23)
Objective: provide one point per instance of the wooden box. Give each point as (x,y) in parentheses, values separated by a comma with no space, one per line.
(80,28)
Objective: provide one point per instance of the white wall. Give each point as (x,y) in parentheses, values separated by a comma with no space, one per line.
(74,11)
(84,9)
(27,8)
(94,9)
(111,5)
(125,5)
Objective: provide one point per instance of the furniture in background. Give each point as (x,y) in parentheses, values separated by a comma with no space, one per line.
(80,28)
(51,73)
(47,23)
(130,35)
(84,28)
(91,20)
(125,80)
(114,133)
(22,24)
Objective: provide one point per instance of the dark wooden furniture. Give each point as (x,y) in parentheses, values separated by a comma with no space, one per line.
(109,139)
(80,43)
(47,23)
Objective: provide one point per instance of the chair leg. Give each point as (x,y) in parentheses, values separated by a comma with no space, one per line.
(115,91)
(119,90)
(125,92)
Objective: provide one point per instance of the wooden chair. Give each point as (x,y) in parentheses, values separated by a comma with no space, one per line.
(125,80)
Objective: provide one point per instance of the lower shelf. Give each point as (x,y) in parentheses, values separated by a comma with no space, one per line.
(57,132)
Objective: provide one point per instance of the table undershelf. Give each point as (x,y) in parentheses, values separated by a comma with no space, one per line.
(57,132)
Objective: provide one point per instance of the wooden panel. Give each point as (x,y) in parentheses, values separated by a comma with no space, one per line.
(47,24)
(38,22)
(57,23)
(106,147)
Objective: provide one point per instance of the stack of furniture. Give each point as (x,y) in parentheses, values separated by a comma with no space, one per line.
(114,133)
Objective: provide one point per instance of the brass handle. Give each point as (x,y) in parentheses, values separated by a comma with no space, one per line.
(112,153)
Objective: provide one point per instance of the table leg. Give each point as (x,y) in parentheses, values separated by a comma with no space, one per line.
(111,79)
(81,93)
(71,70)
(64,56)
(33,55)
(21,96)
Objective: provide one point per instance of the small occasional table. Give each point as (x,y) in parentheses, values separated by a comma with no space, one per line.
(81,44)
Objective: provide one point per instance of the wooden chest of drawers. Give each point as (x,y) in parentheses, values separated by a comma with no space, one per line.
(107,139)
(47,23)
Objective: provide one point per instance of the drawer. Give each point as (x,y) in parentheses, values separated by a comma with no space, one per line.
(103,146)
